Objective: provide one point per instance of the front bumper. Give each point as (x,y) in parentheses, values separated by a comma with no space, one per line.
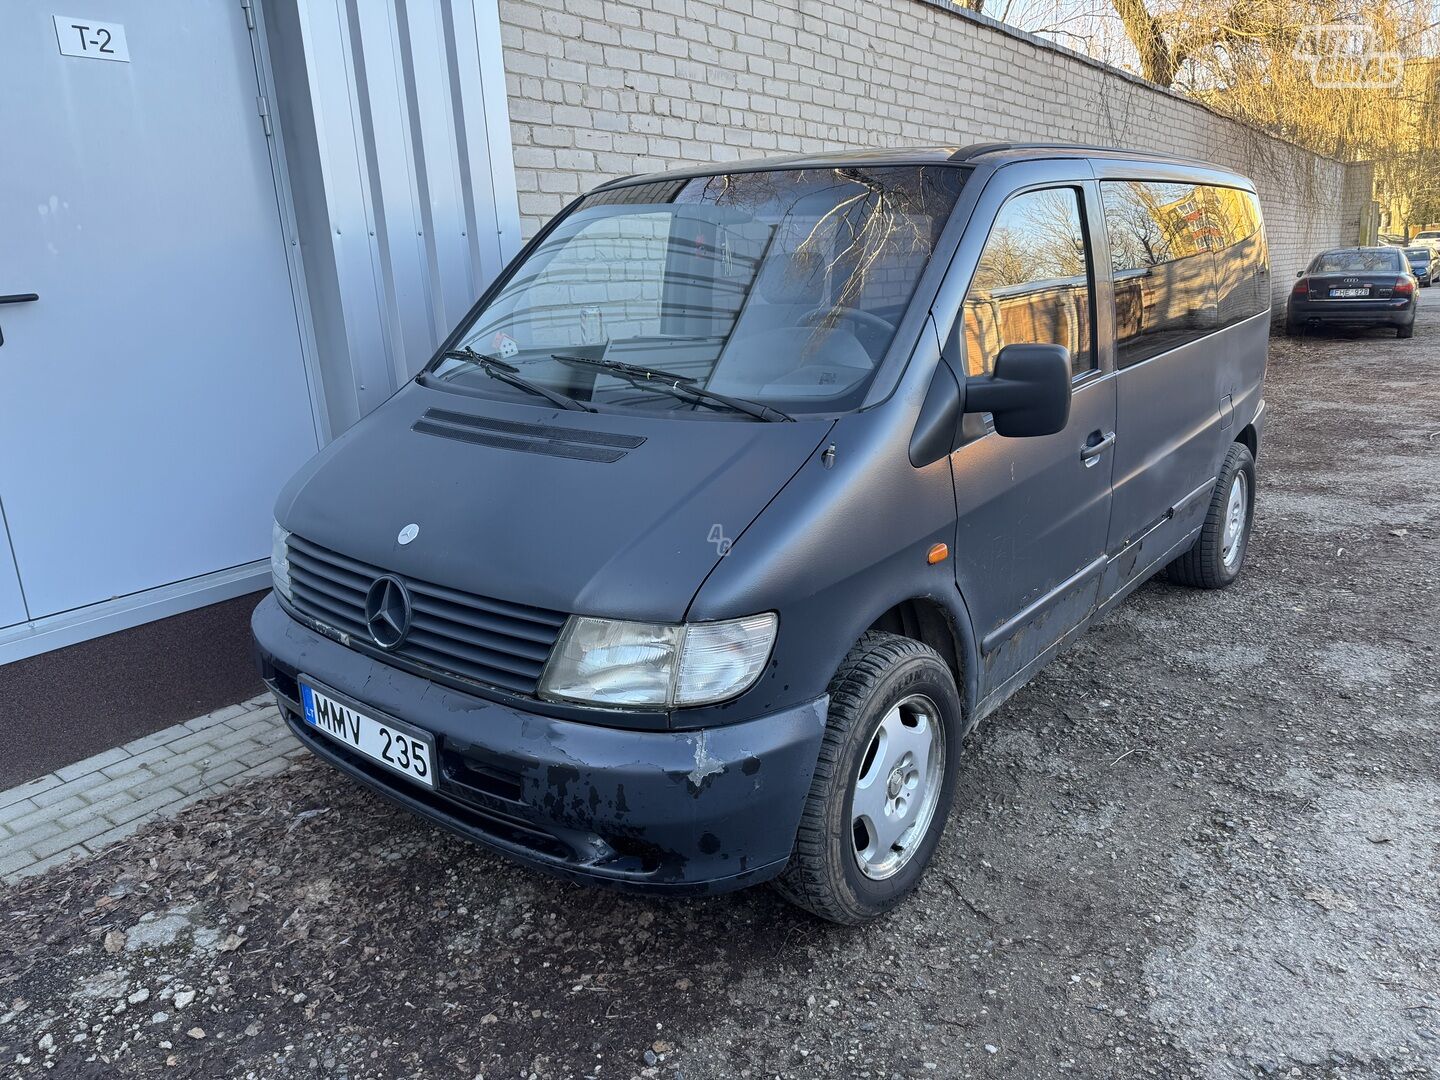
(651,811)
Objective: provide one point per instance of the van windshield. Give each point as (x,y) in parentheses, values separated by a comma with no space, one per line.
(783,287)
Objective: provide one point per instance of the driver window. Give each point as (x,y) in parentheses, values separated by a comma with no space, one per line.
(1032,284)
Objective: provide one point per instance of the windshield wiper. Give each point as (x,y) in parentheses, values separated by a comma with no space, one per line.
(617,366)
(509,373)
(680,386)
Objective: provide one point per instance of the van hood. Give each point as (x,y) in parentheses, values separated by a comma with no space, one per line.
(612,514)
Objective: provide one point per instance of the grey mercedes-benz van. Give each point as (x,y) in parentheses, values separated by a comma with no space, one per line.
(743,494)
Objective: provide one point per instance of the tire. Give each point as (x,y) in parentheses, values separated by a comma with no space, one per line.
(1212,563)
(871,689)
(1293,328)
(1405,331)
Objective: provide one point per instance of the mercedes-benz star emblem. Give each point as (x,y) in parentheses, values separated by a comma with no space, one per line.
(387,612)
(408,533)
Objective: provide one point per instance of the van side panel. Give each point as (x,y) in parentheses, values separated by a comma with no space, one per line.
(1171,410)
(1031,531)
(1178,415)
(1251,343)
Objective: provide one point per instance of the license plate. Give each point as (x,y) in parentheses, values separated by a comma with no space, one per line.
(398,747)
(1345,293)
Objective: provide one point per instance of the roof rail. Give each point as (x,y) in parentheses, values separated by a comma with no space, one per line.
(969,153)
(974,150)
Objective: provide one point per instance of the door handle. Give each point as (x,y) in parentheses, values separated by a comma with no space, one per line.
(16,298)
(1096,445)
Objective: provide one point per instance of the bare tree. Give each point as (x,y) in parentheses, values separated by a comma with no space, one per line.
(1261,62)
(1354,82)
(1160,48)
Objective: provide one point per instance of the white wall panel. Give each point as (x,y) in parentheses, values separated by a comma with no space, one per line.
(396,129)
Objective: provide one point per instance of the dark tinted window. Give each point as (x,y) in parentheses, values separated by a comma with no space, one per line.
(1242,264)
(1033,282)
(1358,261)
(1162,241)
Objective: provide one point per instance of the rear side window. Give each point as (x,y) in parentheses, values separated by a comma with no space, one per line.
(1033,282)
(1161,241)
(1242,263)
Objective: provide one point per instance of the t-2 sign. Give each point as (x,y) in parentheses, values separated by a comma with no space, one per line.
(91,39)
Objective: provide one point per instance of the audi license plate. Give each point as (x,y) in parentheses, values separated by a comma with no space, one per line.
(1345,294)
(399,747)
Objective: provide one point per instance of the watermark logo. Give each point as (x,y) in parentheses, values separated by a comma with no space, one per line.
(720,540)
(1344,56)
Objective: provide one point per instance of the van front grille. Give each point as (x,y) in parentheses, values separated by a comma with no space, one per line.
(493,642)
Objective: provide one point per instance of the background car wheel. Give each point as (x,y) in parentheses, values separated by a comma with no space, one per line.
(883,783)
(1294,328)
(1219,551)
(1405,331)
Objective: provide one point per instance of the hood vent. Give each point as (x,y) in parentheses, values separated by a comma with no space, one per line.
(528,438)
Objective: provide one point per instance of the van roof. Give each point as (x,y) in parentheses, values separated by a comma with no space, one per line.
(987,153)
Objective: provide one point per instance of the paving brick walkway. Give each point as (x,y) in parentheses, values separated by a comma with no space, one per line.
(85,807)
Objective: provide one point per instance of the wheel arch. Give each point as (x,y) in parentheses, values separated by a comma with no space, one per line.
(1250,439)
(929,621)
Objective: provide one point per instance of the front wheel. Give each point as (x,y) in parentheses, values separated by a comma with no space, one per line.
(1215,558)
(883,783)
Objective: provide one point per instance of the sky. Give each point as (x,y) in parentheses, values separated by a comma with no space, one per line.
(1087,26)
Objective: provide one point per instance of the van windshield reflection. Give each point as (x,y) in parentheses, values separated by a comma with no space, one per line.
(780,289)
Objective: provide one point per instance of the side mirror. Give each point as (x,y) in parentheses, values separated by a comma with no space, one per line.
(1029,393)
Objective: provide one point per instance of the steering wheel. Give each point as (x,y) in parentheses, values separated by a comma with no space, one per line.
(875,322)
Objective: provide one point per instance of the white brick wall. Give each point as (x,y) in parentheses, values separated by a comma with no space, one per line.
(606,88)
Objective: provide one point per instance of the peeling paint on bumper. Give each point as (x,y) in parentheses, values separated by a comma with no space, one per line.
(685,812)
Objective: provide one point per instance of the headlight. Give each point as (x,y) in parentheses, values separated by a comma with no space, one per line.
(280,560)
(653,665)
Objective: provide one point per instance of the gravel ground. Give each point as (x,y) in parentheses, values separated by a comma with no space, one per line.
(1202,844)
